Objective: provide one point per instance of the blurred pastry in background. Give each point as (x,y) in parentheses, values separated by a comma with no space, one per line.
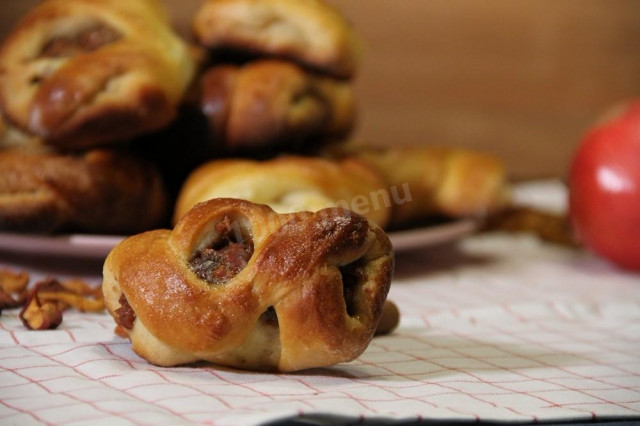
(12,138)
(268,104)
(432,181)
(281,75)
(308,32)
(78,73)
(290,184)
(98,191)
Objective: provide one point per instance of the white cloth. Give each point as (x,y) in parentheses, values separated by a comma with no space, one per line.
(494,327)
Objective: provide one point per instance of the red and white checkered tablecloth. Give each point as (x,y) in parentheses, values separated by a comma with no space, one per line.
(496,327)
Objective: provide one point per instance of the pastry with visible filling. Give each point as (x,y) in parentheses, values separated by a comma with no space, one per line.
(79,73)
(239,285)
(272,103)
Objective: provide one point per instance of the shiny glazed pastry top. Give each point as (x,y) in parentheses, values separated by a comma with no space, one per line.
(269,103)
(78,73)
(239,285)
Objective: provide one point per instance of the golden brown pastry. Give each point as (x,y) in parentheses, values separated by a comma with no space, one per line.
(237,284)
(78,73)
(426,181)
(97,192)
(310,32)
(273,103)
(290,184)
(12,138)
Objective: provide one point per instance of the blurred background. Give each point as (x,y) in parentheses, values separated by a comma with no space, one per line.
(522,79)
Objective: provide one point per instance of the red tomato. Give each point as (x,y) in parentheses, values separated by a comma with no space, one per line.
(604,188)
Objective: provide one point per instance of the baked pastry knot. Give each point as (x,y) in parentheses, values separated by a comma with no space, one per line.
(309,32)
(271,103)
(427,181)
(290,184)
(97,191)
(78,73)
(10,138)
(238,285)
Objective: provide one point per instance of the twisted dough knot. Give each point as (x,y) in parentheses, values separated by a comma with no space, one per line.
(99,191)
(78,73)
(268,103)
(290,184)
(312,33)
(237,284)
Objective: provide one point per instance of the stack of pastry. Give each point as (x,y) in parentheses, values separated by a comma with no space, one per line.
(280,74)
(87,87)
(291,89)
(78,80)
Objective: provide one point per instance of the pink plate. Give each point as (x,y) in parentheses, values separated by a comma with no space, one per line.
(98,246)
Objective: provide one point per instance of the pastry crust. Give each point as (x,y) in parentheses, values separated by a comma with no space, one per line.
(96,192)
(290,184)
(78,73)
(12,138)
(427,181)
(274,103)
(309,295)
(310,32)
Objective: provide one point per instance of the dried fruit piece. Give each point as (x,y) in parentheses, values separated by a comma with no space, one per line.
(13,282)
(75,293)
(13,287)
(550,227)
(39,315)
(389,320)
(50,297)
